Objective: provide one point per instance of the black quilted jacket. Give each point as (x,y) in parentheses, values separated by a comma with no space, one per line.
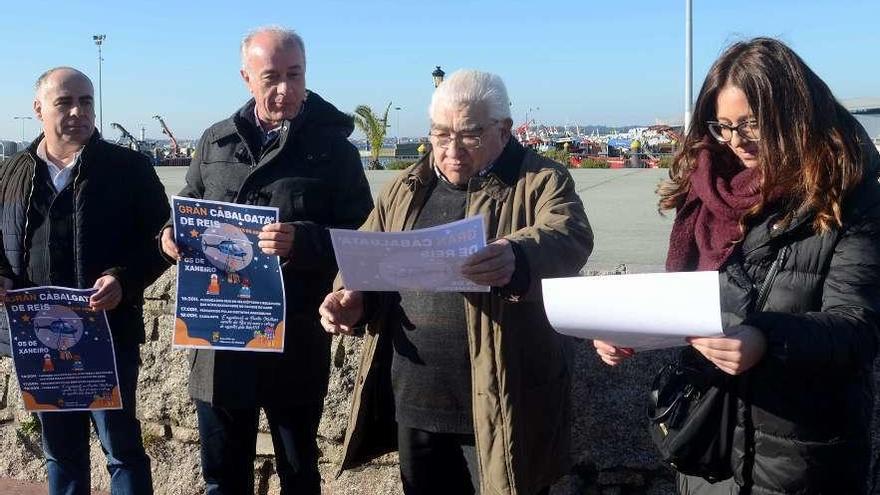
(119,206)
(805,409)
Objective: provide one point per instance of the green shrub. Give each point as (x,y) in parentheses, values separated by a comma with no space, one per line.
(665,162)
(560,156)
(593,163)
(397,165)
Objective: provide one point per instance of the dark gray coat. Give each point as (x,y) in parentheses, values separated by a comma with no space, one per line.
(314,176)
(804,410)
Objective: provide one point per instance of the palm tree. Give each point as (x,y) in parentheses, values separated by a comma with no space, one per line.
(374,129)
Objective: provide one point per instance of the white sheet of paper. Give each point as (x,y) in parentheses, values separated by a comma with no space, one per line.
(426,260)
(642,311)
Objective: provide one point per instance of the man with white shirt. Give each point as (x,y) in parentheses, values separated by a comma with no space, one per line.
(76,211)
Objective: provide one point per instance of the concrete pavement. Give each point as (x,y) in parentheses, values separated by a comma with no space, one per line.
(16,487)
(620,204)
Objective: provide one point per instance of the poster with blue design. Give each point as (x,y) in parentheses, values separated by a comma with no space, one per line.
(229,294)
(62,350)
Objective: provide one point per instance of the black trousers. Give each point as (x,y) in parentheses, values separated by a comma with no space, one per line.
(228,448)
(439,463)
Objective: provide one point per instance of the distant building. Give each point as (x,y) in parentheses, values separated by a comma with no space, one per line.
(8,148)
(407,150)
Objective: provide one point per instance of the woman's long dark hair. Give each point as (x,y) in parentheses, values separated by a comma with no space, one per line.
(809,150)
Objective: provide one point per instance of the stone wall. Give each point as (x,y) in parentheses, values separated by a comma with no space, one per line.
(611,449)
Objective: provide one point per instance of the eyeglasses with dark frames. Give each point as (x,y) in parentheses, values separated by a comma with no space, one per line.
(471,140)
(747,130)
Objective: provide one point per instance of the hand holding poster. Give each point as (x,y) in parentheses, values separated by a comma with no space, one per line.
(229,294)
(62,350)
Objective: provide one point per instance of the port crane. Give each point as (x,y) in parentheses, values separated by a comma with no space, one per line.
(126,137)
(175,148)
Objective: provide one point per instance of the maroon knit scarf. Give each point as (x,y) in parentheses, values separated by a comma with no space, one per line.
(706,226)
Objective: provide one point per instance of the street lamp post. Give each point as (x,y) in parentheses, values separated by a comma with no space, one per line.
(688,64)
(438,76)
(99,40)
(398,124)
(22,119)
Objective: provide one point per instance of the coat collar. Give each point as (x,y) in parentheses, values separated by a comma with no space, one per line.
(87,150)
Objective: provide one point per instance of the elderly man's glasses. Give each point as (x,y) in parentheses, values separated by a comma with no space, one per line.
(747,130)
(445,140)
(471,140)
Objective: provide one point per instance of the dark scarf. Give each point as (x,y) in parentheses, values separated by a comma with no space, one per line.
(706,228)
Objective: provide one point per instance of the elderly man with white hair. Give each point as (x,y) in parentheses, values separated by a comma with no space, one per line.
(287,148)
(471,388)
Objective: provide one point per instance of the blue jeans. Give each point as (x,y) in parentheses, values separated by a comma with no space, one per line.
(66,440)
(228,447)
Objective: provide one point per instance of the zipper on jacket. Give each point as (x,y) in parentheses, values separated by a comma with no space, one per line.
(25,258)
(253,167)
(764,291)
(77,269)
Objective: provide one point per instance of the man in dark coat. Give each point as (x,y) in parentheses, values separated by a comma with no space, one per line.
(76,211)
(285,148)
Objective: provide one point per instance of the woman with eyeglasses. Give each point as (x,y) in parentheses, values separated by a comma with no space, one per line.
(776,189)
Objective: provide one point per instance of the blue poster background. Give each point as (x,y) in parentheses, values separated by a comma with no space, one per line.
(62,349)
(229,294)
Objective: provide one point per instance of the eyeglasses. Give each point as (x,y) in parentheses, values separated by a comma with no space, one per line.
(747,130)
(472,141)
(445,140)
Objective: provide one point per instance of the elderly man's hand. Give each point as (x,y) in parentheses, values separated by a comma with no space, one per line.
(277,239)
(5,285)
(341,310)
(169,247)
(109,294)
(493,265)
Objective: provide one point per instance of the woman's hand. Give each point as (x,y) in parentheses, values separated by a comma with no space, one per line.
(735,353)
(611,354)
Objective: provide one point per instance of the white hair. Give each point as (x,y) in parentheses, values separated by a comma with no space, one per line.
(288,38)
(470,87)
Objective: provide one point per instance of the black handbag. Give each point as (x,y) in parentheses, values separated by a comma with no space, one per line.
(692,407)
(691,416)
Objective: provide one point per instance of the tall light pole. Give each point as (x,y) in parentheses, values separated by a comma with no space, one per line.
(99,40)
(398,124)
(22,119)
(688,64)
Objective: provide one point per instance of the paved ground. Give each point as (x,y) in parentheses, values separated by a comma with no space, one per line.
(15,487)
(620,204)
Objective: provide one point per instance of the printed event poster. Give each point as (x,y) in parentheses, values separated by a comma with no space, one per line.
(415,260)
(62,350)
(229,294)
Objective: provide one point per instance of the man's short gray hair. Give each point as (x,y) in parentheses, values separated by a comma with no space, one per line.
(288,38)
(469,87)
(41,81)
